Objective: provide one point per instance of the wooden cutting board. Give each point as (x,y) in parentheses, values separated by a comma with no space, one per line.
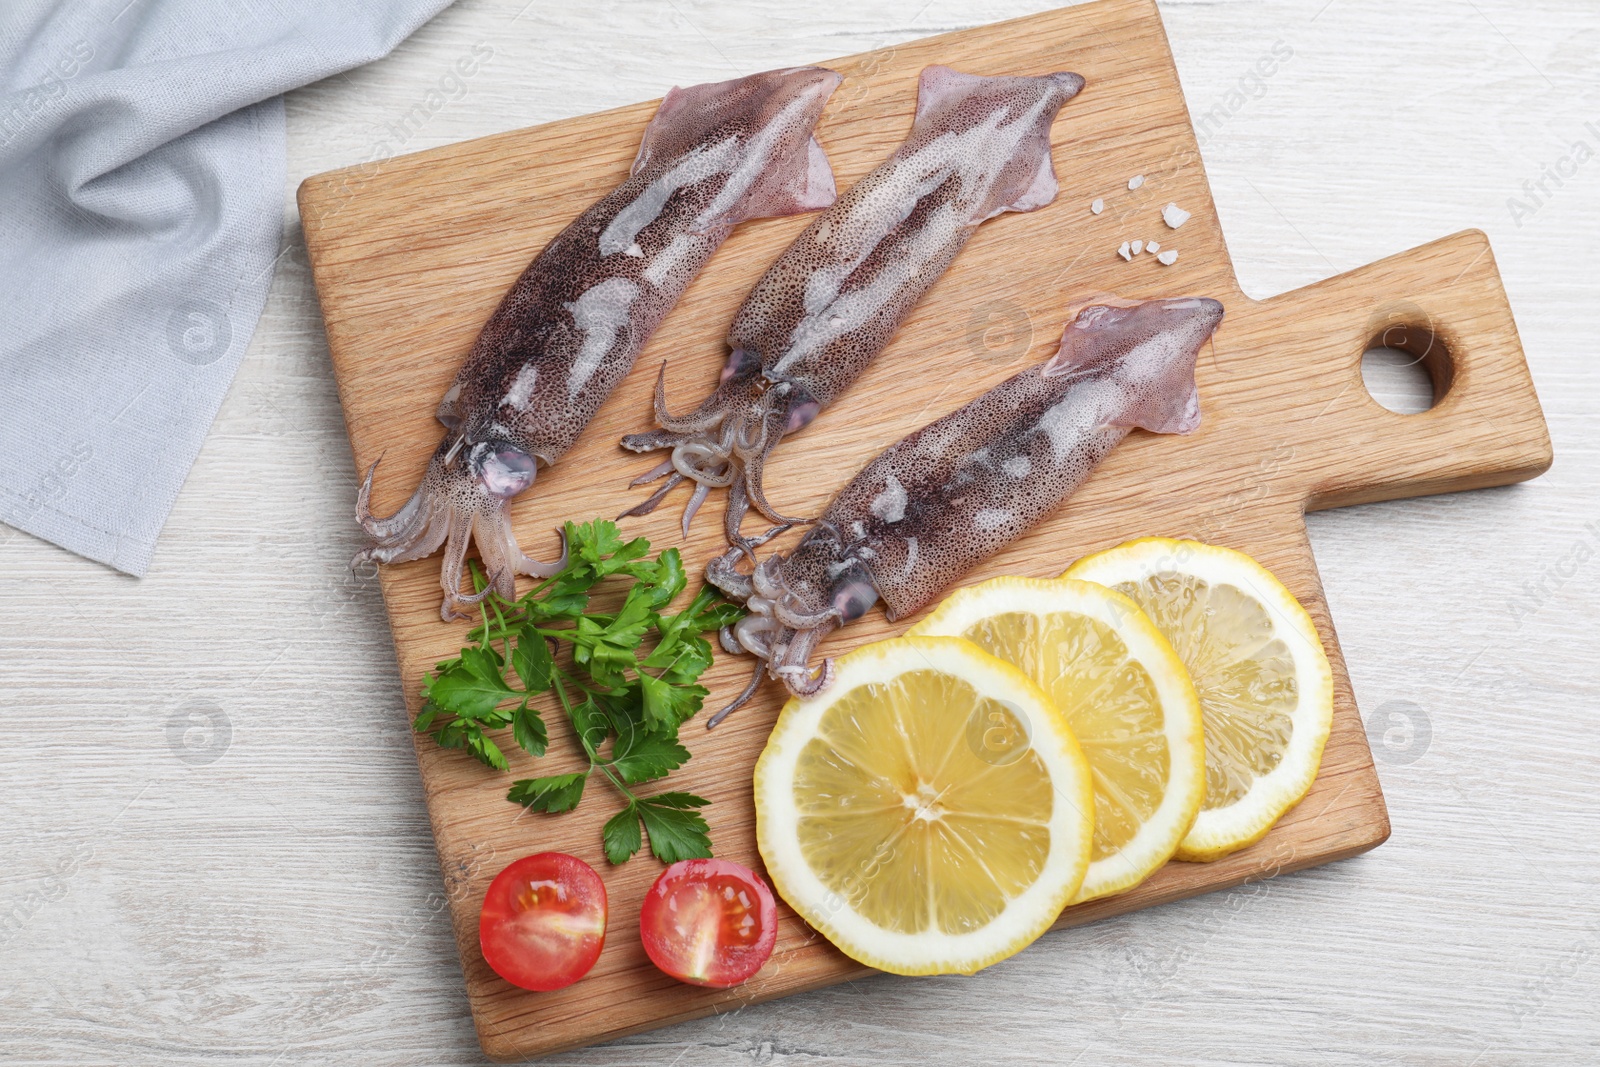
(411,255)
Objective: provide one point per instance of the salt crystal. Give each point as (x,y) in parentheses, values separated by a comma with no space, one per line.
(1169,257)
(1136,181)
(1138,246)
(1098,206)
(1123,252)
(1174,216)
(1152,247)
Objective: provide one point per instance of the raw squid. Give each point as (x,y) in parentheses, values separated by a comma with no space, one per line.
(938,502)
(569,329)
(978,146)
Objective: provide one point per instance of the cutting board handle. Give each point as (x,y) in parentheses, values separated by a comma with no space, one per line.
(1444,303)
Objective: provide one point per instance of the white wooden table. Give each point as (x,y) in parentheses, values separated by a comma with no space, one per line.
(214,842)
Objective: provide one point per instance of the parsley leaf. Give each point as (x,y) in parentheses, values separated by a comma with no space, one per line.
(620,835)
(677,832)
(556,793)
(589,721)
(532,659)
(527,729)
(466,692)
(487,751)
(643,757)
(625,678)
(667,705)
(669,579)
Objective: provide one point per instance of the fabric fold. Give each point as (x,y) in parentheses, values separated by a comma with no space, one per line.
(142,173)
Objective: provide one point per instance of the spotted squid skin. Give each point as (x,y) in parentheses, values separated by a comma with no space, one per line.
(979,146)
(715,156)
(941,500)
(569,329)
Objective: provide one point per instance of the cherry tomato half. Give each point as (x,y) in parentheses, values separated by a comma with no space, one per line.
(544,921)
(709,922)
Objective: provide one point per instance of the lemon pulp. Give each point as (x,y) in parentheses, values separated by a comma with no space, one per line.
(1111,702)
(1263,680)
(928,813)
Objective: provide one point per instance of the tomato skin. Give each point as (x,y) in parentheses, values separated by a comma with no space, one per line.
(544,921)
(709,922)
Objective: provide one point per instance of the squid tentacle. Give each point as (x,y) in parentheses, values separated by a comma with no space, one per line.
(744,445)
(785,660)
(706,416)
(699,497)
(733,521)
(660,470)
(722,446)
(801,678)
(451,508)
(755,466)
(654,441)
(742,699)
(777,630)
(733,518)
(722,573)
(654,499)
(416,530)
(718,476)
(748,634)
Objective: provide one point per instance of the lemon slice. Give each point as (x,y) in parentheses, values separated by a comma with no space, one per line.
(1266,692)
(929,812)
(1126,696)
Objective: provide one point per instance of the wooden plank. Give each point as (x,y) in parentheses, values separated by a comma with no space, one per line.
(411,255)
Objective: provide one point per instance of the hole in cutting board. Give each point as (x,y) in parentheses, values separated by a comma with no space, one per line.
(1406,367)
(1397,380)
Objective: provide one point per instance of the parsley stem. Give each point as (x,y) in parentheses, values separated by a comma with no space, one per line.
(605,769)
(558,669)
(594,757)
(566,706)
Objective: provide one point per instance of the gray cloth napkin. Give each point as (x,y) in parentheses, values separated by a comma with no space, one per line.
(141,206)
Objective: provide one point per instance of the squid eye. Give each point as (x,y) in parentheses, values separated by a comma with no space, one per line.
(739,362)
(854,599)
(802,409)
(504,470)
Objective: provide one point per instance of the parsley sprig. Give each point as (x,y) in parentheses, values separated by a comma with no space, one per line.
(626,680)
